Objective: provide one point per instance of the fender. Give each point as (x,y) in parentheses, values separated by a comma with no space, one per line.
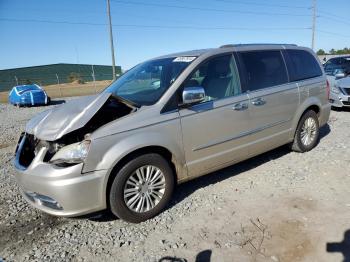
(128,143)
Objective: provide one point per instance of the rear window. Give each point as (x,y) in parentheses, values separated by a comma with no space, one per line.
(302,65)
(263,69)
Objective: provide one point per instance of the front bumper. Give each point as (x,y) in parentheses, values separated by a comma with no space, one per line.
(60,191)
(339,100)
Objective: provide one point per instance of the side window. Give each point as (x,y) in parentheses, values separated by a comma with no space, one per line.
(302,65)
(218,76)
(263,69)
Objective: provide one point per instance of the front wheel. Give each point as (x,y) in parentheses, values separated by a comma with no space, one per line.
(307,133)
(142,188)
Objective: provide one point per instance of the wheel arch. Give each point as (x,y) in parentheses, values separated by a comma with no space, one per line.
(164,152)
(310,104)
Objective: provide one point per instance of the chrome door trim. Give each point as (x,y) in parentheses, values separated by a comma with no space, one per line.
(243,134)
(209,105)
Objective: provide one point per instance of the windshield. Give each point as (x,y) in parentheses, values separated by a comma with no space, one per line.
(22,89)
(146,83)
(337,65)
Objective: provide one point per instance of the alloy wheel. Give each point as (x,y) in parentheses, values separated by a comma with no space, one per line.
(308,131)
(144,188)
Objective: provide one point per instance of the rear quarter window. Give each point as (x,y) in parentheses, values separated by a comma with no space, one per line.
(302,65)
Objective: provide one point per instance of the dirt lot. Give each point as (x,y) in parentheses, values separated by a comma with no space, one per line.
(68,90)
(280,206)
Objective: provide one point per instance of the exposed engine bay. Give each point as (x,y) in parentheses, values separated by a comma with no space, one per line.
(113,109)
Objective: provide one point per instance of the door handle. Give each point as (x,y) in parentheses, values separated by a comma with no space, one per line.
(259,102)
(240,106)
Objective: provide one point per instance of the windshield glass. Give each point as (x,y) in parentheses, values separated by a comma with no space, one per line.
(22,89)
(336,65)
(146,83)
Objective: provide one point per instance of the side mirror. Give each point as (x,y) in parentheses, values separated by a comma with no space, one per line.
(192,95)
(339,75)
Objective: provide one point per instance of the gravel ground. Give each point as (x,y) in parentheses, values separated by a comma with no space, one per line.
(280,206)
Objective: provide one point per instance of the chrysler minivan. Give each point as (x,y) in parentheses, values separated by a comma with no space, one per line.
(169,120)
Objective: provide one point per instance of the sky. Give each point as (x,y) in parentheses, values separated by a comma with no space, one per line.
(39,32)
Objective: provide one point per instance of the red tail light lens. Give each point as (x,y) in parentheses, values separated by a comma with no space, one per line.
(328,89)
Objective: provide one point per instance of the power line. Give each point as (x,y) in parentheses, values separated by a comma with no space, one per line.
(155,26)
(334,15)
(253,3)
(50,21)
(334,19)
(258,4)
(209,9)
(332,33)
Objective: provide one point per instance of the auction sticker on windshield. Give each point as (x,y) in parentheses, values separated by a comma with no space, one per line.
(186,59)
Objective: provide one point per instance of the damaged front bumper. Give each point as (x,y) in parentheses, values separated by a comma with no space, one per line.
(60,191)
(339,100)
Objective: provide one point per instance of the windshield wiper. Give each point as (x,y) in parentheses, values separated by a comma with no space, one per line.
(126,101)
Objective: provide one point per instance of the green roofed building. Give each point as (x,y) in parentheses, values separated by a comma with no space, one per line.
(54,74)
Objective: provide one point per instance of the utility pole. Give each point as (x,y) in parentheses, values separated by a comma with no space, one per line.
(111,37)
(313,23)
(93,77)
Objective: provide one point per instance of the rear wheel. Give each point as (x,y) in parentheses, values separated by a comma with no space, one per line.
(307,133)
(142,188)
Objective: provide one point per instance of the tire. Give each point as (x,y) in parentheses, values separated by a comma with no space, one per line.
(117,199)
(48,101)
(303,145)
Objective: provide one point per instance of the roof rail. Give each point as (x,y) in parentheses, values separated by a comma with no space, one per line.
(226,46)
(234,45)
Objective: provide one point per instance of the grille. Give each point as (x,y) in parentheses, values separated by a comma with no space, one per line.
(346,103)
(347,91)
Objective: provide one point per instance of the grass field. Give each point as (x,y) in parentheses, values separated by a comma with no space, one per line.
(68,90)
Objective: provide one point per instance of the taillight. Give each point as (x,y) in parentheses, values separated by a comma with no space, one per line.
(328,89)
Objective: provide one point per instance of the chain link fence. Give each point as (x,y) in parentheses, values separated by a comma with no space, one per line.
(55,75)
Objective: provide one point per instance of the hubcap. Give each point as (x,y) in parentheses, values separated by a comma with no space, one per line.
(308,131)
(144,189)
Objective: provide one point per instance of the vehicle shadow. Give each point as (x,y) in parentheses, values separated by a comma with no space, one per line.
(57,102)
(203,256)
(341,247)
(324,131)
(184,190)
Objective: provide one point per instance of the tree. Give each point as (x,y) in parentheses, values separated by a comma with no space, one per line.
(332,51)
(321,52)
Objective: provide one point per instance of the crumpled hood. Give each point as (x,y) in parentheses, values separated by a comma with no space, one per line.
(344,82)
(54,123)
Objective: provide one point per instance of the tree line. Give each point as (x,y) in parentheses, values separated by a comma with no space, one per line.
(343,51)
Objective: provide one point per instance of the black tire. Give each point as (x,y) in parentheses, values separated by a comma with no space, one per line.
(117,203)
(298,145)
(48,100)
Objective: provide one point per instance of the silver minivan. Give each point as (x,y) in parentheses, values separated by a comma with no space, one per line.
(169,120)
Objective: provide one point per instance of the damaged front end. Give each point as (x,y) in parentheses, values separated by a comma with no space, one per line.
(63,133)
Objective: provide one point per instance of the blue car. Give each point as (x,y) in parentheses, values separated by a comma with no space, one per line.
(28,95)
